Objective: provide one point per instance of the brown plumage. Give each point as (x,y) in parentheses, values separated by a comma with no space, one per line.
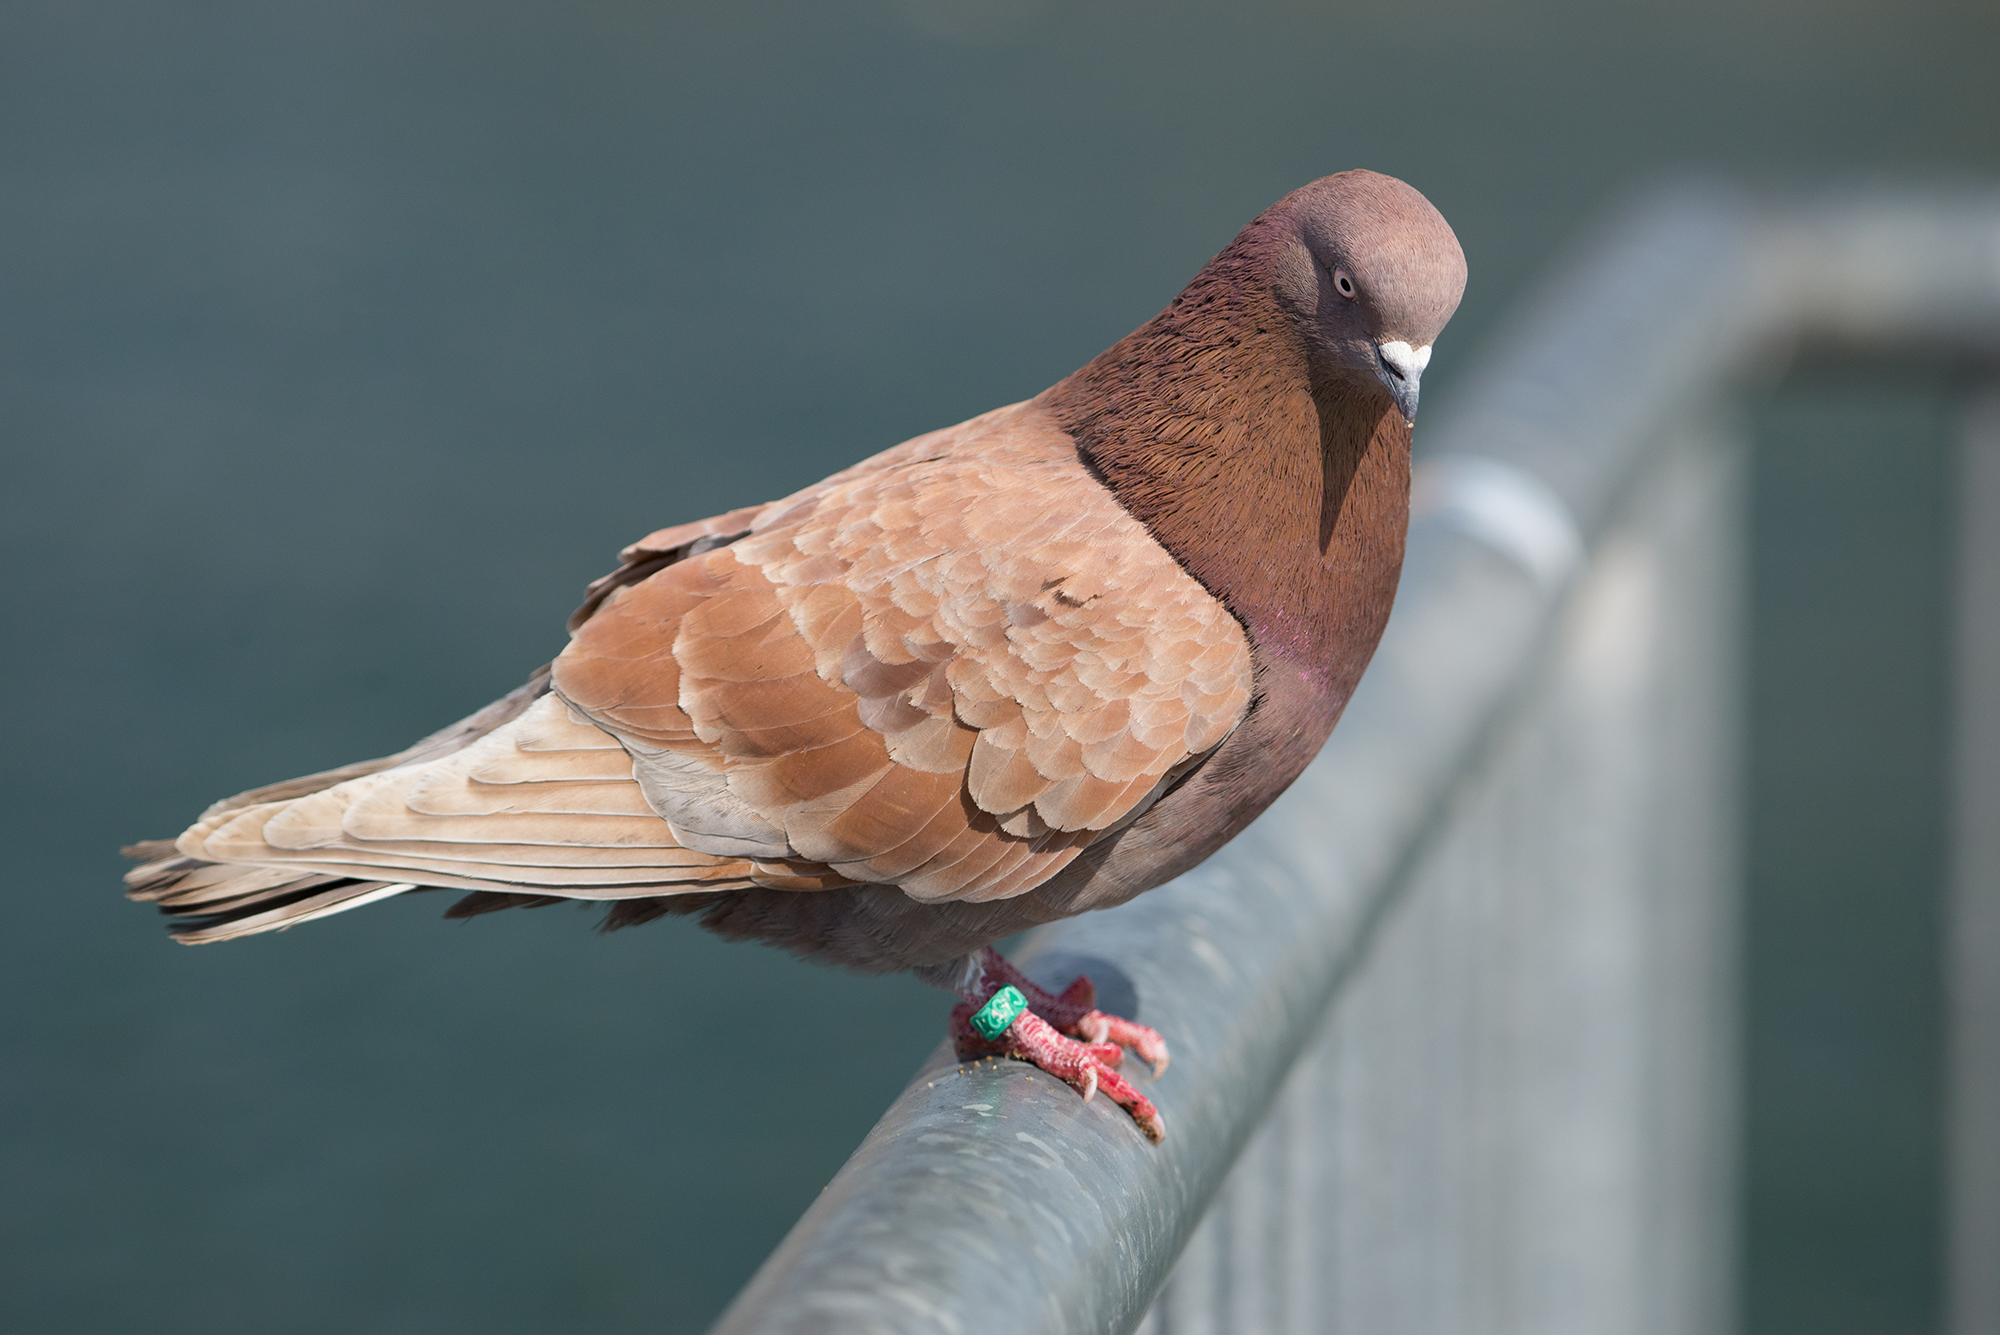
(1018,668)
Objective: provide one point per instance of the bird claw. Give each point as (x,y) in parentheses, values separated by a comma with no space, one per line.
(1074,1011)
(1098,1027)
(1088,1068)
(1087,1058)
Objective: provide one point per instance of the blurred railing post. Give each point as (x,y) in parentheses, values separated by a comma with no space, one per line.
(1973,953)
(1465,991)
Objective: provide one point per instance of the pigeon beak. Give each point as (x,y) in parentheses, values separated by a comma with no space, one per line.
(1400,367)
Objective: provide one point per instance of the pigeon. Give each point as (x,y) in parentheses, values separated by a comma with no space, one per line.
(1010,671)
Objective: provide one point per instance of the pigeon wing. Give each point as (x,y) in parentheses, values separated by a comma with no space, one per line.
(949,669)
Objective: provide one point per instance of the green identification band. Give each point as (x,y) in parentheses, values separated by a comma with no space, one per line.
(1000,1010)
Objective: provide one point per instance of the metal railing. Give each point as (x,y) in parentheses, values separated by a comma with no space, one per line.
(1972,962)
(1452,1021)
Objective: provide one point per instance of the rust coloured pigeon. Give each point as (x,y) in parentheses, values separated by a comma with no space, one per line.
(1006,672)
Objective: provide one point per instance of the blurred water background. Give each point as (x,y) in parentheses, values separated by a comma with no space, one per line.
(342,343)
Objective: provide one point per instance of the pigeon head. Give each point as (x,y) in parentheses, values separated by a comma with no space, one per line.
(1370,273)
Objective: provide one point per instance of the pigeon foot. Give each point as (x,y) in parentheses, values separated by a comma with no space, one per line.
(1073,1011)
(1088,1068)
(1038,1036)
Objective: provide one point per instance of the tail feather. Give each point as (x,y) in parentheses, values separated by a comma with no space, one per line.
(299,904)
(215,901)
(523,803)
(443,742)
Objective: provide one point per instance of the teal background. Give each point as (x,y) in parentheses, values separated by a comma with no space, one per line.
(1851,582)
(341,344)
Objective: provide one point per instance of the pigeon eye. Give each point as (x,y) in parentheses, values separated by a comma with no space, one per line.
(1343,284)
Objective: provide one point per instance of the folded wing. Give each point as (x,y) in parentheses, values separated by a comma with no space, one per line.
(950,672)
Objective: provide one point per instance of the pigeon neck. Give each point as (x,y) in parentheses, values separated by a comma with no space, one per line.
(1286,498)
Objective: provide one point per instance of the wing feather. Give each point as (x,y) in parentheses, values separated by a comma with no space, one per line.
(939,677)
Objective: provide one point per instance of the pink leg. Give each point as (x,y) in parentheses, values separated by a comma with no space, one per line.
(1089,1065)
(1074,1011)
(1086,1067)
